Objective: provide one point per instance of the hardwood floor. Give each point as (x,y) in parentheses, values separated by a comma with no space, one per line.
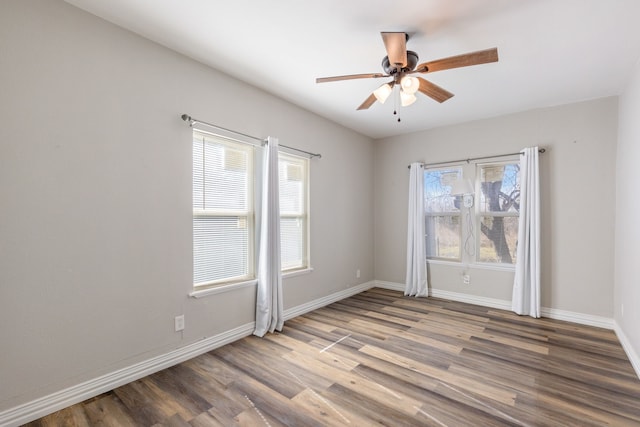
(379,358)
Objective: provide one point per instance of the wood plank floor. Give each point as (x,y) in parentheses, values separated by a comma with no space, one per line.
(379,358)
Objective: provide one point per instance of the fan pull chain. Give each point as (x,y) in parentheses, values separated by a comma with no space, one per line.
(395,105)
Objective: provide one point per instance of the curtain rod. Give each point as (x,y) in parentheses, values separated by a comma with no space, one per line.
(192,121)
(541,150)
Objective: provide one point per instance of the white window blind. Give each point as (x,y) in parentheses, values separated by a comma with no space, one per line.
(293,211)
(223,220)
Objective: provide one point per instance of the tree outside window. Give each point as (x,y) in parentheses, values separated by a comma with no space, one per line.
(499,209)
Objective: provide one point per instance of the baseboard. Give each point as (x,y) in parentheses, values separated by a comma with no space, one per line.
(40,407)
(572,316)
(392,286)
(453,296)
(471,299)
(552,313)
(633,356)
(324,301)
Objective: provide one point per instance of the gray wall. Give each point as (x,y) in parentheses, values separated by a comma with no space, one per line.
(627,283)
(95,186)
(578,200)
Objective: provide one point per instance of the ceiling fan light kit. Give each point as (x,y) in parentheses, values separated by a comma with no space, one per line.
(410,84)
(383,92)
(400,63)
(407,99)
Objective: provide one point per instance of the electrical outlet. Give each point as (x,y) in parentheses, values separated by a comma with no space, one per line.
(466,279)
(621,310)
(179,323)
(357,273)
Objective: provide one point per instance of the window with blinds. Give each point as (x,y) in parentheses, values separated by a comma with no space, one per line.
(293,211)
(223,216)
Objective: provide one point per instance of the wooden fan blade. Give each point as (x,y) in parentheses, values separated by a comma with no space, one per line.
(349,77)
(464,60)
(367,102)
(396,46)
(433,91)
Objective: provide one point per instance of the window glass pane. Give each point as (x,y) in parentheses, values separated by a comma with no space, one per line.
(443,232)
(293,211)
(293,249)
(500,188)
(437,190)
(292,185)
(443,236)
(498,239)
(220,248)
(220,175)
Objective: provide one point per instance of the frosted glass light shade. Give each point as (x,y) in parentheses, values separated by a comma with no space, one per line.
(410,84)
(407,99)
(382,93)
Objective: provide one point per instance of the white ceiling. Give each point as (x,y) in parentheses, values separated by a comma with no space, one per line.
(551,51)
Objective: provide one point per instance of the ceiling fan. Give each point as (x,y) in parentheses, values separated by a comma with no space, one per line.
(400,63)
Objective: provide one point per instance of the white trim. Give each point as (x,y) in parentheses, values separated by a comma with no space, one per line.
(471,299)
(321,302)
(37,408)
(572,316)
(199,293)
(493,266)
(634,358)
(392,286)
(552,313)
(472,265)
(294,273)
(233,286)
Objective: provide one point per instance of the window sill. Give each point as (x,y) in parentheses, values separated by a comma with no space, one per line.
(294,273)
(443,262)
(478,265)
(199,293)
(495,267)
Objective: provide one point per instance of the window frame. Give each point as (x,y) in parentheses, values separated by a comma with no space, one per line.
(248,214)
(458,214)
(303,215)
(481,214)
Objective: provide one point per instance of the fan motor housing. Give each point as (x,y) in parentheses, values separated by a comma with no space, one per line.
(412,61)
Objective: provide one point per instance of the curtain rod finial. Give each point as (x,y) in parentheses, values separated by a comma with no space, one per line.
(186,117)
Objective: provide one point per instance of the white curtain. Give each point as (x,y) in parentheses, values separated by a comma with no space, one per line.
(526,286)
(269,305)
(416,282)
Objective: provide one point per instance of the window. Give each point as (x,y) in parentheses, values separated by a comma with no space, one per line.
(224,232)
(223,217)
(485,231)
(442,214)
(498,211)
(293,211)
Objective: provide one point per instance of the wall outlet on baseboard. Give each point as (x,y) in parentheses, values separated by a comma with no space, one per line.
(466,279)
(179,323)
